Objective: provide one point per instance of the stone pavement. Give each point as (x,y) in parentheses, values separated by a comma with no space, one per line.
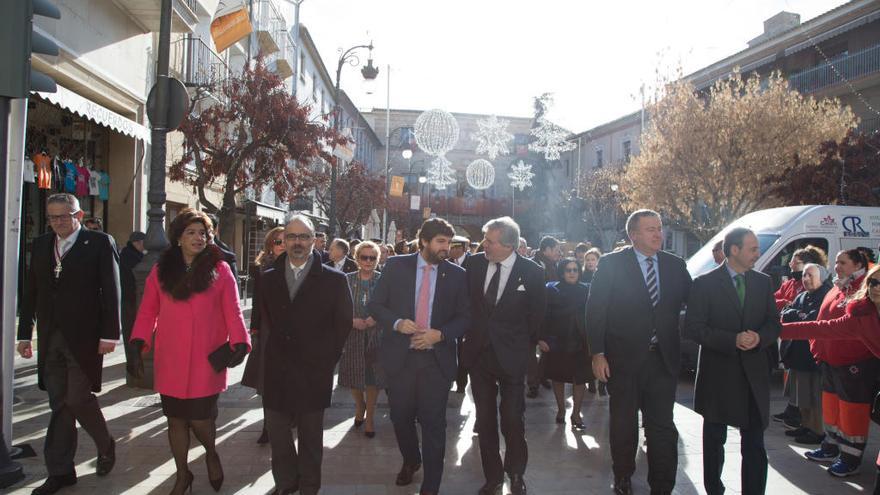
(560,462)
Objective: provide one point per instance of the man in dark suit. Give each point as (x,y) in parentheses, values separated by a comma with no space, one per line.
(228,254)
(508,300)
(309,309)
(732,315)
(72,291)
(321,246)
(459,254)
(633,311)
(338,257)
(421,302)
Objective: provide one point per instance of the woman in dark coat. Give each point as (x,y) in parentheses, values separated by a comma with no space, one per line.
(273,247)
(805,389)
(563,340)
(359,367)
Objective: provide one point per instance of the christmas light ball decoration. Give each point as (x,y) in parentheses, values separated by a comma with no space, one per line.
(480,174)
(436,131)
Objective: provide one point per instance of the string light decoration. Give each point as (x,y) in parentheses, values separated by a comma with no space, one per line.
(436,131)
(492,137)
(440,173)
(480,174)
(521,175)
(550,139)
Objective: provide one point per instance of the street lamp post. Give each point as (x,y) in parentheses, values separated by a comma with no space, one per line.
(369,72)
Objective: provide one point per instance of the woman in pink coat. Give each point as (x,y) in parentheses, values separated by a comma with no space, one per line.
(190,309)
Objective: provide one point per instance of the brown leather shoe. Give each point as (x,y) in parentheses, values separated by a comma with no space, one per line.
(405,476)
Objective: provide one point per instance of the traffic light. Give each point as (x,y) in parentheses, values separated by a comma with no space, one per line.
(19,41)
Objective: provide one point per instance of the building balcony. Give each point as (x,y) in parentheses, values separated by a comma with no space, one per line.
(269,26)
(196,64)
(845,68)
(283,61)
(146,13)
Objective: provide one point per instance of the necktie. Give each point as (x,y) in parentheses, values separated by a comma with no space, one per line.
(492,290)
(740,288)
(651,281)
(424,298)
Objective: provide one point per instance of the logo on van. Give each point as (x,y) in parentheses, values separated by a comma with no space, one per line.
(852,227)
(828,221)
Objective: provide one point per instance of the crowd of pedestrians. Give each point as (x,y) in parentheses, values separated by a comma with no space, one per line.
(414,318)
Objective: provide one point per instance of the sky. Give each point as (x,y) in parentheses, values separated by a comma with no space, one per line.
(494,56)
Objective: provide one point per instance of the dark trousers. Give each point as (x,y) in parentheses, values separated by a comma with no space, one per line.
(754,457)
(290,467)
(461,377)
(651,388)
(420,391)
(71,400)
(535,369)
(487,379)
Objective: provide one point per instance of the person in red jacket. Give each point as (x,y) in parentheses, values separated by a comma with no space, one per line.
(861,321)
(848,369)
(786,294)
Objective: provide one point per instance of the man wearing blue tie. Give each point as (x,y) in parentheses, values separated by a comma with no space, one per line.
(421,302)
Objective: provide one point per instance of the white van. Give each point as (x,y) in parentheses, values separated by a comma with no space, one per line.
(781,231)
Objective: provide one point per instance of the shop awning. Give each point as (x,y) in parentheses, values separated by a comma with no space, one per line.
(268,211)
(88,109)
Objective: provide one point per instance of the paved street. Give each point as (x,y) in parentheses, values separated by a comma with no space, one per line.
(560,461)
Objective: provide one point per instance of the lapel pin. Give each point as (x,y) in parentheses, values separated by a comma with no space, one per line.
(85,242)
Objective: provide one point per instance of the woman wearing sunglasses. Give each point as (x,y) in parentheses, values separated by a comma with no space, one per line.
(563,340)
(273,247)
(861,321)
(359,366)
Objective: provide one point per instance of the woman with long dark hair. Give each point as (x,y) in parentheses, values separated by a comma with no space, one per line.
(189,310)
(273,247)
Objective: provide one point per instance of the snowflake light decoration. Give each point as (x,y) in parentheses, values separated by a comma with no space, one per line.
(436,131)
(521,175)
(440,173)
(480,174)
(550,140)
(492,137)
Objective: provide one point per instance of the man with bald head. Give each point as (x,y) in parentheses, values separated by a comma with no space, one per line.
(309,308)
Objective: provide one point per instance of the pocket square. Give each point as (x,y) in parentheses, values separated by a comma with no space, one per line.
(521,288)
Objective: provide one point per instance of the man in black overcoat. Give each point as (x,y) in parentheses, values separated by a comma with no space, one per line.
(732,315)
(308,309)
(72,293)
(636,297)
(508,300)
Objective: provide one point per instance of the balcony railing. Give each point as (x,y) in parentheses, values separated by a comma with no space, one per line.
(847,67)
(283,60)
(269,26)
(196,63)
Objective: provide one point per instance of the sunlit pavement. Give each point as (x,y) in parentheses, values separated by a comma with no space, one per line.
(560,462)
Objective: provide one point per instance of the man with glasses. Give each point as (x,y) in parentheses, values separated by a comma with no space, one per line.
(72,292)
(309,308)
(421,301)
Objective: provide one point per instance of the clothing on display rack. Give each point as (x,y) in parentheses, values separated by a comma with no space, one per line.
(43,164)
(56,175)
(82,179)
(69,176)
(94,180)
(28,171)
(104,185)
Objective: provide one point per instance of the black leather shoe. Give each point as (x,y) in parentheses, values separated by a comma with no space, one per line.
(405,476)
(107,460)
(264,437)
(623,486)
(286,491)
(491,489)
(517,484)
(55,483)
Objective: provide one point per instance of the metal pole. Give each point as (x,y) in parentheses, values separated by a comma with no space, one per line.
(156,241)
(296,4)
(331,215)
(387,153)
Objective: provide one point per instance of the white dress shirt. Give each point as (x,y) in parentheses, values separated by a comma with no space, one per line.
(506,267)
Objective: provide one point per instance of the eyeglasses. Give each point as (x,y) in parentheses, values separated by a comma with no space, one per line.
(572,270)
(278,242)
(873,282)
(298,237)
(364,257)
(60,218)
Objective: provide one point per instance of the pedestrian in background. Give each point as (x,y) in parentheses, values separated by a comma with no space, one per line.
(129,257)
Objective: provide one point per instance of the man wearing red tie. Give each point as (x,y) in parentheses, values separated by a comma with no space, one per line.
(422,303)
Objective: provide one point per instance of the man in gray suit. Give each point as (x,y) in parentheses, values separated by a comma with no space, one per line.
(732,314)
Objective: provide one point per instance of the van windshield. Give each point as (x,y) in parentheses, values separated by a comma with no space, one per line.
(702,261)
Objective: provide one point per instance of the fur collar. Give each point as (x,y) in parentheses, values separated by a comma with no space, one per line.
(180,284)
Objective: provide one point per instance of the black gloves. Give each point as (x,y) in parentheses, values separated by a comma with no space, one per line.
(238,354)
(136,365)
